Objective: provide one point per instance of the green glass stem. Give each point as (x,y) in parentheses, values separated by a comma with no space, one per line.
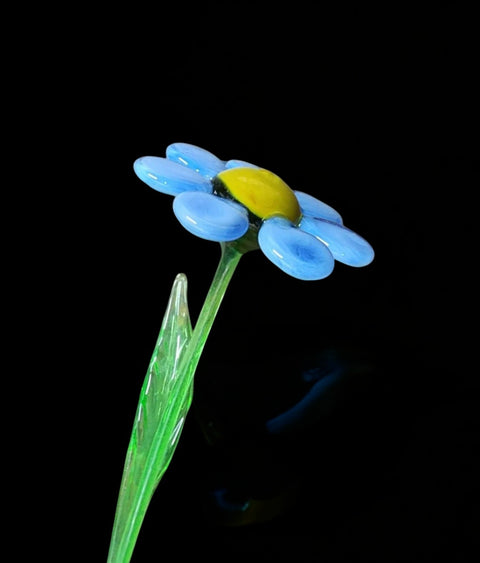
(229,259)
(164,402)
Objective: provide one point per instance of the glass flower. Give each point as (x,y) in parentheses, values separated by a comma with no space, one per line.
(234,200)
(243,207)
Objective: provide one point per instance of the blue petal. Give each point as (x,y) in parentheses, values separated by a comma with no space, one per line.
(345,245)
(239,164)
(169,177)
(195,158)
(315,208)
(294,251)
(210,217)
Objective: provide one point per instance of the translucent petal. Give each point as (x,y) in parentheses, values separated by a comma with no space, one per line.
(294,251)
(239,164)
(345,245)
(210,217)
(195,158)
(315,208)
(169,177)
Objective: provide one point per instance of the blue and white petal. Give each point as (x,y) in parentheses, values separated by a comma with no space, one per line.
(313,207)
(210,217)
(345,245)
(169,177)
(200,160)
(294,251)
(235,163)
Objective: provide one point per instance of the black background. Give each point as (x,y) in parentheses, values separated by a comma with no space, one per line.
(368,110)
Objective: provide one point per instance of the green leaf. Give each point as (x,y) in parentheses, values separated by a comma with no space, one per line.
(154,435)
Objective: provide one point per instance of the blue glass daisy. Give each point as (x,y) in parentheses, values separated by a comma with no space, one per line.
(243,207)
(234,200)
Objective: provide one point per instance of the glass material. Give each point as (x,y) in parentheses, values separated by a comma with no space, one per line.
(312,207)
(345,245)
(157,424)
(188,169)
(213,219)
(169,177)
(164,402)
(294,251)
(203,162)
(261,192)
(243,207)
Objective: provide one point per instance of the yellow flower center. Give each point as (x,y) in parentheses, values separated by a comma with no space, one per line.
(262,192)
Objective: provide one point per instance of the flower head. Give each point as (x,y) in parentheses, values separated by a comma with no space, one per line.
(234,200)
